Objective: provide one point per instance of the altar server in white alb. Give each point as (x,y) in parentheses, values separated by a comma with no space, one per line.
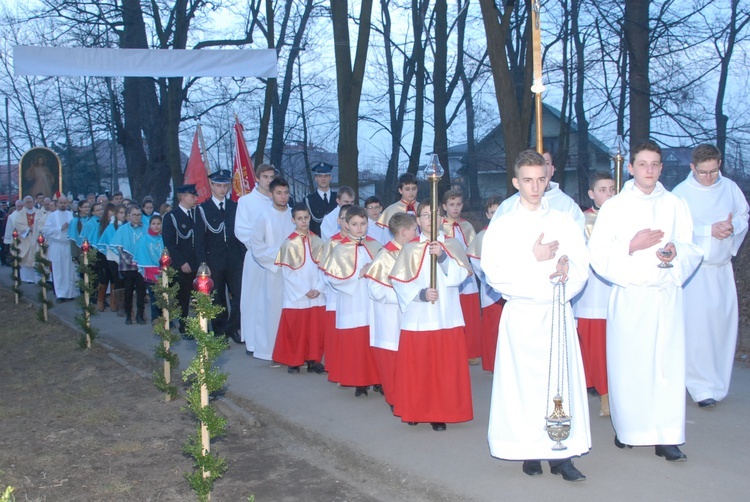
(249,207)
(638,234)
(524,250)
(266,289)
(55,231)
(720,211)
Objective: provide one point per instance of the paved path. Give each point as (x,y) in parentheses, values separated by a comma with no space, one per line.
(456,464)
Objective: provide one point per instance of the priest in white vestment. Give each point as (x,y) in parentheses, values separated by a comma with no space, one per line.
(266,283)
(27,235)
(249,207)
(720,212)
(635,232)
(556,198)
(55,230)
(521,251)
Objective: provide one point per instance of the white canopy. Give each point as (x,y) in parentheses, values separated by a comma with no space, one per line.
(91,62)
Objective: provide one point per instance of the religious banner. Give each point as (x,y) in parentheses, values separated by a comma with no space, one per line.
(195,172)
(40,171)
(243,177)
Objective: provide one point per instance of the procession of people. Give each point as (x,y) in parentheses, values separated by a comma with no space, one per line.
(633,300)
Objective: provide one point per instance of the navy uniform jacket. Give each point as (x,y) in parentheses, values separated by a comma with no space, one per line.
(179,238)
(215,243)
(318,209)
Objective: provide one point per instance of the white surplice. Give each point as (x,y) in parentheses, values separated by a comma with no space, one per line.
(522,370)
(64,275)
(330,225)
(27,245)
(249,207)
(265,291)
(645,323)
(710,295)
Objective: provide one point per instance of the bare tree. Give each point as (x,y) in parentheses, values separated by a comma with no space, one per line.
(349,80)
(510,61)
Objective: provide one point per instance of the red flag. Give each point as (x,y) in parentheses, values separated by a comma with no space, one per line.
(195,172)
(243,177)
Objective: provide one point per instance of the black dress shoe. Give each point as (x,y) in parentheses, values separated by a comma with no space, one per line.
(249,352)
(316,368)
(438,426)
(128,320)
(412,424)
(707,403)
(621,445)
(568,471)
(378,388)
(532,467)
(360,391)
(236,338)
(670,452)
(292,369)
(140,320)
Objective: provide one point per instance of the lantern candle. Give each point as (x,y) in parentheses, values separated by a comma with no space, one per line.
(165,261)
(203,282)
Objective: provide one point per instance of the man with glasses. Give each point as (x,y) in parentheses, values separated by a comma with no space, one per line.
(720,213)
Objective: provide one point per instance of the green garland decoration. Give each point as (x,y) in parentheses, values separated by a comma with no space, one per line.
(173,311)
(43,267)
(15,267)
(201,371)
(87,311)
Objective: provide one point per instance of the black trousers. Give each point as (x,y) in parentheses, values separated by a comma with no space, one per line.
(134,283)
(226,277)
(102,269)
(184,294)
(114,274)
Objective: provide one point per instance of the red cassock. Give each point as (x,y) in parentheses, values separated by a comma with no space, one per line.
(300,336)
(490,324)
(473,330)
(592,334)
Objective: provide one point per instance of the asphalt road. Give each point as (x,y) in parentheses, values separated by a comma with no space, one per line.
(456,464)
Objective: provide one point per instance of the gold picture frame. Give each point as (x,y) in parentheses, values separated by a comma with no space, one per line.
(40,171)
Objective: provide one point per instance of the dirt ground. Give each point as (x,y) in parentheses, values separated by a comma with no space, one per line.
(78,426)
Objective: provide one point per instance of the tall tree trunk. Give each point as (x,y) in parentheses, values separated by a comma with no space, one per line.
(271,83)
(514,107)
(349,80)
(583,124)
(637,39)
(281,102)
(440,94)
(417,17)
(735,26)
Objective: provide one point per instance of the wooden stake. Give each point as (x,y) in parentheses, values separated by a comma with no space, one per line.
(86,299)
(165,313)
(16,265)
(44,288)
(205,438)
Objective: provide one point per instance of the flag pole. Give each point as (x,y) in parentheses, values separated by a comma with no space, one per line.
(538,86)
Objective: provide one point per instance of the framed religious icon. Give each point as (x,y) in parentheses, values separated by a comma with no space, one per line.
(40,171)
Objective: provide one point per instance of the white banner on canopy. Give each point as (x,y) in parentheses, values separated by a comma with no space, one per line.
(90,62)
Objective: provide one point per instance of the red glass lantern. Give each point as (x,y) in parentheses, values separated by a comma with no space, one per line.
(85,246)
(203,282)
(40,240)
(15,234)
(165,261)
